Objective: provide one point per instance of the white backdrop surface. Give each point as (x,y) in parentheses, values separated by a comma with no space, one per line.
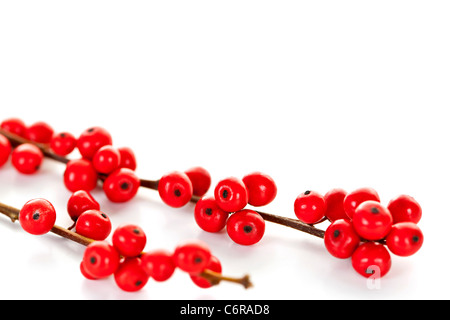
(317,94)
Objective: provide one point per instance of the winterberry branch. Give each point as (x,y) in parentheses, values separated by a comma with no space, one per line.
(213,277)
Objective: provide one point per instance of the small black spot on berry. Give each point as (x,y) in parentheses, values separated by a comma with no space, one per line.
(198,260)
(415,238)
(124,185)
(90,129)
(225,194)
(374,210)
(208,211)
(138,283)
(104,215)
(177,193)
(307,192)
(36,215)
(370,271)
(336,233)
(92,260)
(248,229)
(136,231)
(62,135)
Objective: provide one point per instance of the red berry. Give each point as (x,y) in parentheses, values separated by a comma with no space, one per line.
(245,227)
(131,276)
(106,159)
(405,208)
(231,194)
(405,239)
(372,221)
(100,259)
(192,256)
(334,201)
(200,179)
(371,259)
(15,126)
(356,197)
(175,189)
(5,149)
(91,140)
(37,216)
(80,174)
(27,158)
(158,264)
(40,132)
(79,202)
(209,216)
(213,265)
(341,240)
(84,272)
(121,185)
(93,224)
(129,240)
(261,189)
(127,158)
(63,143)
(309,207)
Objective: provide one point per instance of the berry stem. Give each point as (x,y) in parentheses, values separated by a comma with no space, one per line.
(214,278)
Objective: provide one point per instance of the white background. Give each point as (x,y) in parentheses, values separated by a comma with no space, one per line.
(317,94)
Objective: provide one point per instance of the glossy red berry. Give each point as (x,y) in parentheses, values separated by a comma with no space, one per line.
(106,159)
(129,240)
(192,256)
(231,194)
(63,143)
(37,216)
(200,179)
(175,189)
(121,185)
(93,224)
(40,132)
(80,174)
(334,202)
(158,264)
(85,273)
(371,259)
(5,149)
(309,207)
(27,158)
(79,202)
(405,208)
(261,188)
(209,216)
(246,227)
(100,259)
(372,221)
(356,197)
(127,158)
(213,265)
(405,239)
(15,126)
(91,140)
(341,240)
(130,276)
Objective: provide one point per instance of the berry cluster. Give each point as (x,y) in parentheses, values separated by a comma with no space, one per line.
(231,196)
(99,159)
(132,268)
(125,258)
(362,228)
